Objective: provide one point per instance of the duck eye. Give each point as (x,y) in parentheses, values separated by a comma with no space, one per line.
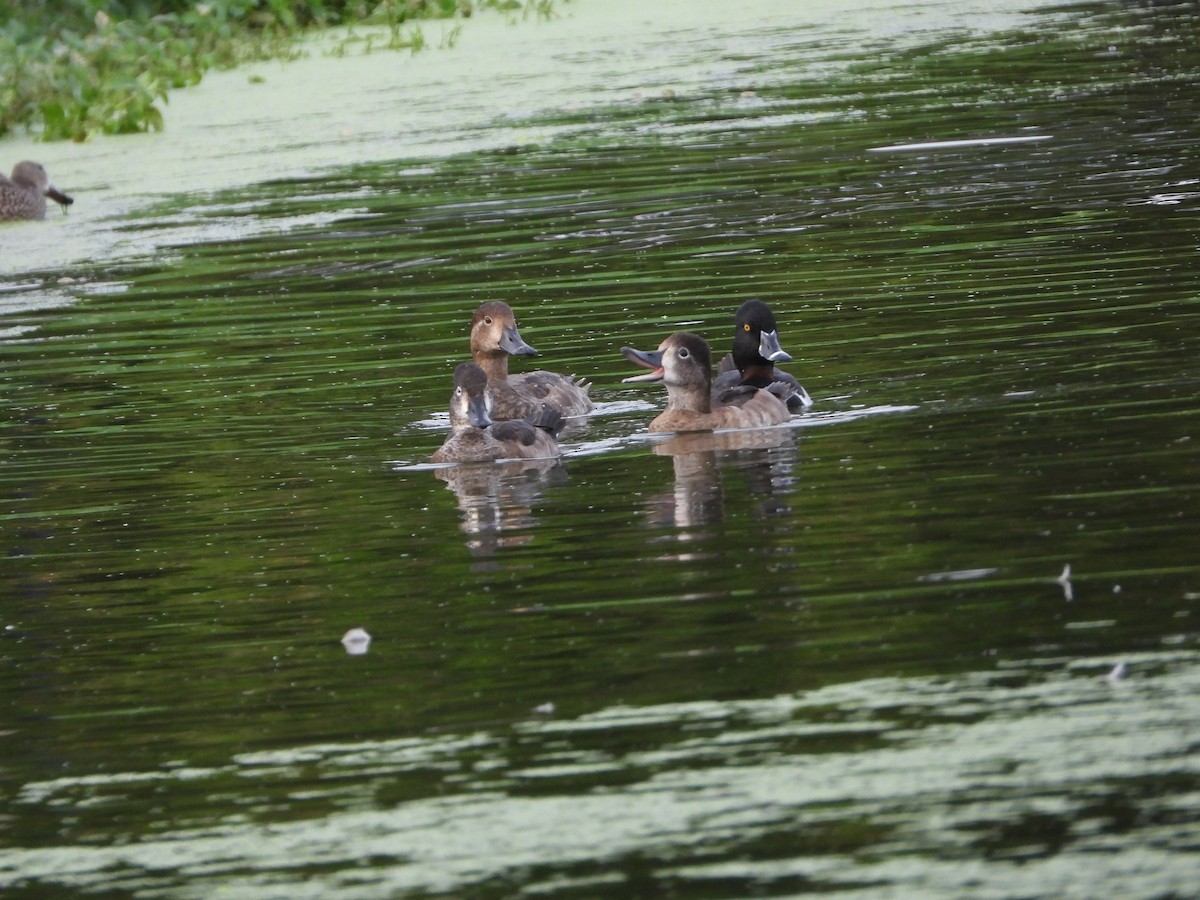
(683,353)
(746,327)
(487,320)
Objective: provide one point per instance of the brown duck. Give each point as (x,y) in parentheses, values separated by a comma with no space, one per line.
(494,337)
(475,437)
(24,195)
(683,362)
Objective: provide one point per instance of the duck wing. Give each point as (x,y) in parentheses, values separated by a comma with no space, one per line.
(523,439)
(790,391)
(745,405)
(565,393)
(516,431)
(727,387)
(548,420)
(737,394)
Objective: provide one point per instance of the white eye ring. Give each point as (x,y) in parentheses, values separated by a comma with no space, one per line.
(683,353)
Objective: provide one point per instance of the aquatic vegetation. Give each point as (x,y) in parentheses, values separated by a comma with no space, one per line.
(73,68)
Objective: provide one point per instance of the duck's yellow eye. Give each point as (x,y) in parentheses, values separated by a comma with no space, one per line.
(746,327)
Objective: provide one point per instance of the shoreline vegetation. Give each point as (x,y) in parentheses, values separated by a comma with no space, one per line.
(73,68)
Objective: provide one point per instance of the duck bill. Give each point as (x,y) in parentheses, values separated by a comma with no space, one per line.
(768,347)
(510,342)
(59,197)
(652,361)
(477,412)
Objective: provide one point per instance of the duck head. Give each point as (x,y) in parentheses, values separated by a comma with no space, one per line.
(33,175)
(683,362)
(494,332)
(470,404)
(756,336)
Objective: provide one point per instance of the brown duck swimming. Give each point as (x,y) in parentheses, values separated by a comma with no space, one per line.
(756,349)
(475,437)
(683,363)
(494,337)
(24,195)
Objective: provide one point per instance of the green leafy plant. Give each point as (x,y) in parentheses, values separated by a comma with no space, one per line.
(73,68)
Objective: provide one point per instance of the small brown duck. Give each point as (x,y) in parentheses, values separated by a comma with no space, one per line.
(474,437)
(494,337)
(683,363)
(24,195)
(756,349)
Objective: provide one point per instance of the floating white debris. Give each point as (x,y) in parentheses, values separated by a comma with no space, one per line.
(356,641)
(968,142)
(545,709)
(1064,581)
(1117,673)
(957,575)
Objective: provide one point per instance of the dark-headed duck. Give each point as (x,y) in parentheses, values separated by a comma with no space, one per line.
(756,349)
(494,337)
(683,363)
(475,437)
(24,195)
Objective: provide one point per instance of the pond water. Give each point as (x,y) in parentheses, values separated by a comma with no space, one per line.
(936,637)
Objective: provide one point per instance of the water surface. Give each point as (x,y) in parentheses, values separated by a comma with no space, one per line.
(869,653)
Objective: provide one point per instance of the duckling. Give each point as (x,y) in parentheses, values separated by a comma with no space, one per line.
(475,437)
(494,337)
(683,363)
(756,349)
(24,195)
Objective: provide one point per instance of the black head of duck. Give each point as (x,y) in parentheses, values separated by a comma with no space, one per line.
(494,338)
(475,436)
(683,362)
(756,339)
(24,195)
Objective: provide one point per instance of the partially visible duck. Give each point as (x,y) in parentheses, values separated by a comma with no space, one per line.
(683,363)
(475,437)
(494,337)
(756,349)
(24,195)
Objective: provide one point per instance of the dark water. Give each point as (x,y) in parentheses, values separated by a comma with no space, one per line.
(833,658)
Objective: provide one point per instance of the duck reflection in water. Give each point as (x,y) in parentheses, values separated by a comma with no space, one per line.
(766,458)
(496,497)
